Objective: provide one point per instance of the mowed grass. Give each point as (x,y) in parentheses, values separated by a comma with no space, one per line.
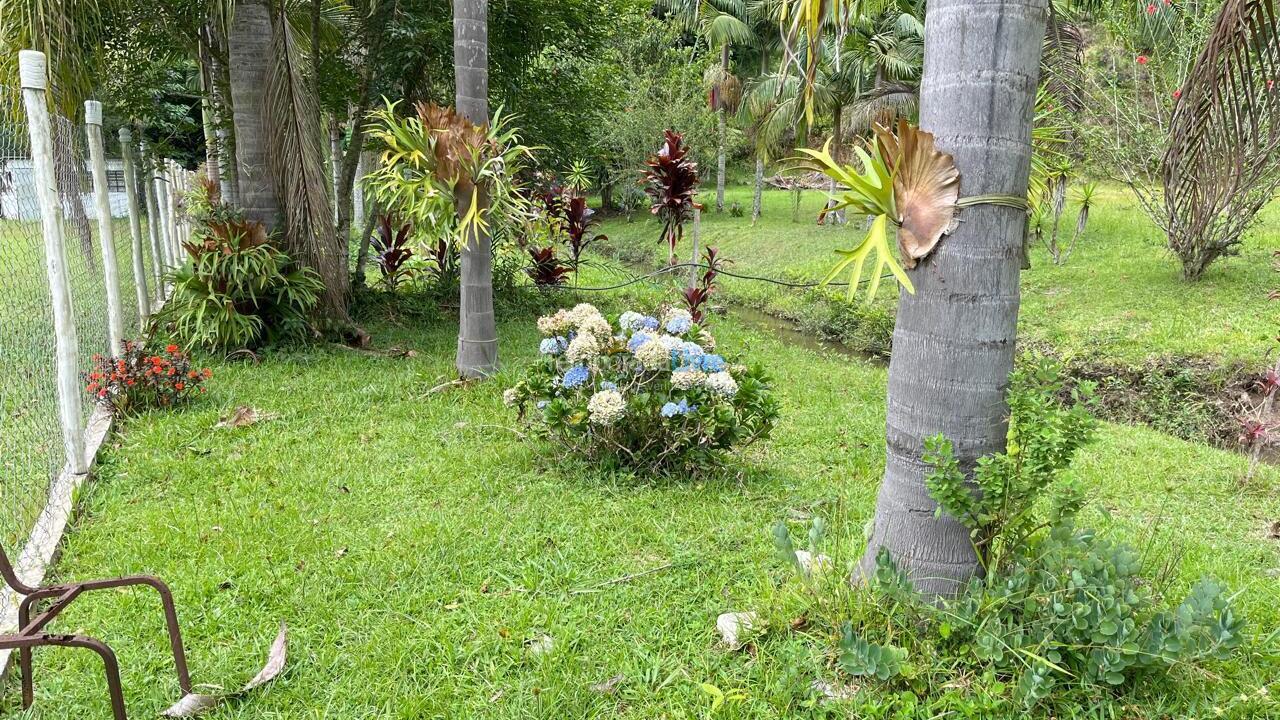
(1120,296)
(31,449)
(417,543)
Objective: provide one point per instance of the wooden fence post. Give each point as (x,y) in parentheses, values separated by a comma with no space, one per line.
(31,70)
(697,237)
(106,233)
(162,211)
(153,219)
(135,228)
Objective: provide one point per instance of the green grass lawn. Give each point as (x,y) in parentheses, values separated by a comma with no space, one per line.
(30,439)
(415,543)
(1119,298)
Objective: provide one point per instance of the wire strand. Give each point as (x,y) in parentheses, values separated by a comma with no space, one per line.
(634,279)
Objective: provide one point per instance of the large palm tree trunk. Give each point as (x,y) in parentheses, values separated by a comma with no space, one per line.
(477,330)
(953,344)
(250,51)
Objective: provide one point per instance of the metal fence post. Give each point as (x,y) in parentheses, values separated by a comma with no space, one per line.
(31,65)
(135,228)
(106,233)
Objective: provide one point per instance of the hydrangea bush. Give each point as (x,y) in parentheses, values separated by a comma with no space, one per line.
(646,392)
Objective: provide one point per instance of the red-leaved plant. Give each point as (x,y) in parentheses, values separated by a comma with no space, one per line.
(671,180)
(391,243)
(579,220)
(546,270)
(696,296)
(138,380)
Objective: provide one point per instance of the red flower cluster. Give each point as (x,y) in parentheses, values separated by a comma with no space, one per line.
(137,380)
(1143,59)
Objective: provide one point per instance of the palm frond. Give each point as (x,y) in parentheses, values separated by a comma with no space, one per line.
(1223,160)
(1062,61)
(898,100)
(296,160)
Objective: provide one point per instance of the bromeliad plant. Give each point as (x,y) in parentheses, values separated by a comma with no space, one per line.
(671,180)
(648,394)
(138,380)
(908,187)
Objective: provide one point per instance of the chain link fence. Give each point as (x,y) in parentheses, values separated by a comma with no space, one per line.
(32,450)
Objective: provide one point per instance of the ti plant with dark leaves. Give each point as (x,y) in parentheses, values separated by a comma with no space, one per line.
(696,296)
(545,269)
(579,221)
(391,245)
(671,180)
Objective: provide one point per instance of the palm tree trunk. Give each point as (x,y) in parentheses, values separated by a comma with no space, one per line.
(213,167)
(757,199)
(477,329)
(250,52)
(720,165)
(953,343)
(837,145)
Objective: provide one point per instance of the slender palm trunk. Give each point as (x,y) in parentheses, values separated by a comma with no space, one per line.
(758,197)
(953,344)
(250,51)
(720,149)
(209,123)
(477,329)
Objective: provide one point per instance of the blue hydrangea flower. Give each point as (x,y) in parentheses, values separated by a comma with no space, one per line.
(543,403)
(637,340)
(575,376)
(690,352)
(606,385)
(553,346)
(630,320)
(648,322)
(710,363)
(679,325)
(682,408)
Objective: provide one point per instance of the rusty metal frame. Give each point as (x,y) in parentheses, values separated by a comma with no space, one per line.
(30,633)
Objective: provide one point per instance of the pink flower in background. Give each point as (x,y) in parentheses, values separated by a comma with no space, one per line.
(1143,59)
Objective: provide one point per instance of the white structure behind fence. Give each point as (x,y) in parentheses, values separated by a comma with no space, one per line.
(79,271)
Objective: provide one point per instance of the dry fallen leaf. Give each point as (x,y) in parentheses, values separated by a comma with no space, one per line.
(244,416)
(195,703)
(1274,531)
(608,687)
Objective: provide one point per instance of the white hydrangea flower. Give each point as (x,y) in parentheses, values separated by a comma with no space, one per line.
(583,347)
(596,325)
(583,312)
(606,407)
(687,379)
(654,355)
(677,321)
(670,342)
(722,383)
(629,319)
(510,397)
(558,324)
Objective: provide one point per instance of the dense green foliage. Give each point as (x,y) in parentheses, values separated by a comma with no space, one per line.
(238,291)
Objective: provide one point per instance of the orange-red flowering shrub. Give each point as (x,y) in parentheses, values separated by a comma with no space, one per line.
(139,380)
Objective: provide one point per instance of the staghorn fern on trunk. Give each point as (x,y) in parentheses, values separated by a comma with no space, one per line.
(295,159)
(1223,161)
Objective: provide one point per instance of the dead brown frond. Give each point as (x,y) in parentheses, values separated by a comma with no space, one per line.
(1223,161)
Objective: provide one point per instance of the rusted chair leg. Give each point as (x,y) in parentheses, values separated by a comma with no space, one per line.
(110,666)
(175,633)
(24,658)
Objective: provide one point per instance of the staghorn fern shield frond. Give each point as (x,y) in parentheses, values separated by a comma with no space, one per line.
(905,181)
(1223,161)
